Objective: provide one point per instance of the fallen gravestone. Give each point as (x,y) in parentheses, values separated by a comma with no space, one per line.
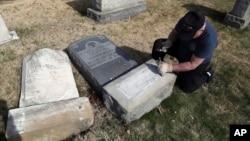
(128,91)
(239,17)
(99,60)
(110,10)
(51,108)
(137,92)
(46,77)
(50,122)
(5,35)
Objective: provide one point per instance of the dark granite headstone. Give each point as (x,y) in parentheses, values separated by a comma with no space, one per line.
(99,60)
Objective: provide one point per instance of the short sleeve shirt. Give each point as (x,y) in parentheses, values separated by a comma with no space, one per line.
(202,47)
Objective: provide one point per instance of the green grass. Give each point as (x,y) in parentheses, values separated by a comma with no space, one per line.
(7,55)
(204,115)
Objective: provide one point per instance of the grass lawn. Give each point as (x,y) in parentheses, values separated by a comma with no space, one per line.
(204,115)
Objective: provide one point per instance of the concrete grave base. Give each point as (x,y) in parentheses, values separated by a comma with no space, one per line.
(5,35)
(137,92)
(51,121)
(116,14)
(235,21)
(239,16)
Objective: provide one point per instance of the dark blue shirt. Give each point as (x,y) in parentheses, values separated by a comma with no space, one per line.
(202,47)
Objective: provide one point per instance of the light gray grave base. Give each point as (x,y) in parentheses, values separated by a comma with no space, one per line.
(137,92)
(51,121)
(5,35)
(236,21)
(116,14)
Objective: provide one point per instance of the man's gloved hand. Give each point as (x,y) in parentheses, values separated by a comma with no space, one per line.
(165,45)
(164,67)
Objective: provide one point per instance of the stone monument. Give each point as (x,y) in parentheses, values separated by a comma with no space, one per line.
(109,10)
(46,77)
(99,60)
(5,35)
(137,92)
(239,17)
(50,107)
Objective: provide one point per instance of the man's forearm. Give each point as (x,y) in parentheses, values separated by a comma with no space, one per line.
(186,66)
(172,36)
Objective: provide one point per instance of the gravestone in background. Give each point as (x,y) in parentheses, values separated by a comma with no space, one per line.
(46,77)
(5,35)
(239,17)
(99,60)
(137,92)
(110,10)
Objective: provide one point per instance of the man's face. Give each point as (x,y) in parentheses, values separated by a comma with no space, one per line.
(199,32)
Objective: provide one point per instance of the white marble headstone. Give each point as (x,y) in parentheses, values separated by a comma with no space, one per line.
(5,35)
(47,77)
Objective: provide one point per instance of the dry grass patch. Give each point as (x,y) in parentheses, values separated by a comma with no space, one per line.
(203,115)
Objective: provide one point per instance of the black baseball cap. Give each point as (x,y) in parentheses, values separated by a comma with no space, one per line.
(189,24)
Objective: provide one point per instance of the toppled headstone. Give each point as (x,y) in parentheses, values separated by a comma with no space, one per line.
(6,1)
(50,122)
(137,92)
(99,60)
(109,10)
(46,77)
(239,17)
(5,35)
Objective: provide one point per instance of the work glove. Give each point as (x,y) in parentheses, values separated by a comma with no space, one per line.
(164,67)
(170,59)
(165,45)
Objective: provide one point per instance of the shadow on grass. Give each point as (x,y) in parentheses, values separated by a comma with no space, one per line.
(3,120)
(209,12)
(138,56)
(3,123)
(80,6)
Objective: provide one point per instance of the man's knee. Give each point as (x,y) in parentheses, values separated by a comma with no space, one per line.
(186,84)
(187,89)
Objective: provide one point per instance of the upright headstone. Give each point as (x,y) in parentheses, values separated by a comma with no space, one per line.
(99,60)
(109,10)
(239,17)
(5,35)
(137,92)
(51,121)
(47,77)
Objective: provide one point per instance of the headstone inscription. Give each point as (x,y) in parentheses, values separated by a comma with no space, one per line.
(109,10)
(46,77)
(99,60)
(239,17)
(5,35)
(137,92)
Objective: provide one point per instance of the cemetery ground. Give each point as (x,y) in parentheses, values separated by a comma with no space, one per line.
(203,115)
